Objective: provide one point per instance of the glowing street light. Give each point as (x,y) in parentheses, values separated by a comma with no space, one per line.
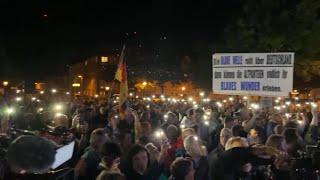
(5,83)
(107,88)
(201,94)
(144,83)
(183,88)
(53,91)
(41,92)
(131,94)
(18,99)
(245,97)
(76,85)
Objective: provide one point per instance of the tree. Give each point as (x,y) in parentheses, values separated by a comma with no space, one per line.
(278,26)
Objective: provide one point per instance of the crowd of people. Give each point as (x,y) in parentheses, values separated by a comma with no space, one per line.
(158,139)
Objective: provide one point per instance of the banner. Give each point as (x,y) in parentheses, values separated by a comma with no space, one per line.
(256,74)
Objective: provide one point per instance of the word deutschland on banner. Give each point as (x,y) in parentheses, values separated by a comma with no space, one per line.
(261,74)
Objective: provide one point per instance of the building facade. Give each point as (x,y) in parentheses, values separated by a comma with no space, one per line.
(93,76)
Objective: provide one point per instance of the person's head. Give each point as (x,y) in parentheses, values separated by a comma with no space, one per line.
(237,130)
(276,117)
(29,117)
(146,128)
(229,122)
(236,142)
(111,176)
(31,155)
(291,124)
(225,134)
(153,151)
(256,136)
(187,132)
(198,115)
(182,169)
(98,137)
(278,129)
(110,154)
(260,122)
(61,120)
(193,145)
(244,114)
(138,159)
(172,118)
(172,132)
(190,112)
(277,141)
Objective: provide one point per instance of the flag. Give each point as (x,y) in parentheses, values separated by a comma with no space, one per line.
(121,76)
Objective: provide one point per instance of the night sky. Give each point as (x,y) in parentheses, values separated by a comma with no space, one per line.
(40,37)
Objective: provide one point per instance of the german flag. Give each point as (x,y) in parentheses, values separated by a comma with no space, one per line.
(121,76)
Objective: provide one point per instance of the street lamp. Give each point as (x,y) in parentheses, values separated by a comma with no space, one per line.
(5,83)
(144,83)
(201,94)
(183,88)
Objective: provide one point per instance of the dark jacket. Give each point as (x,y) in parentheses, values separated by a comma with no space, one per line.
(202,169)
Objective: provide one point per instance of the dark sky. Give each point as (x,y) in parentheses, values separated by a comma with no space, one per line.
(43,36)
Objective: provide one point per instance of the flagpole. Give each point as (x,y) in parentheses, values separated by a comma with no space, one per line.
(114,80)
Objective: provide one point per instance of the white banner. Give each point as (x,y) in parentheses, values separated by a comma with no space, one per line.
(257,74)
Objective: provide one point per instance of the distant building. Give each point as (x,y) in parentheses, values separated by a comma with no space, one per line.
(94,75)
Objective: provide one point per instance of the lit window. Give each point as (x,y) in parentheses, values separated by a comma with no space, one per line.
(104,59)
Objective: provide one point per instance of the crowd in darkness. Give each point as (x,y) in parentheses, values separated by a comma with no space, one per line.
(157,139)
